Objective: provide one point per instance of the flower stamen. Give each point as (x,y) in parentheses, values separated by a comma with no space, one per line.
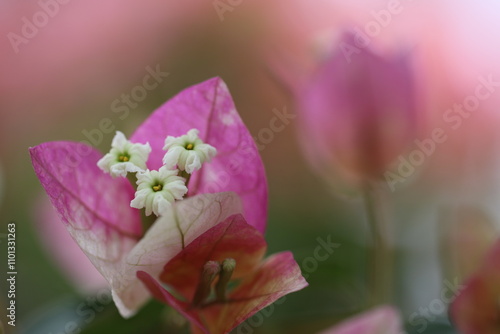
(189,146)
(226,272)
(210,271)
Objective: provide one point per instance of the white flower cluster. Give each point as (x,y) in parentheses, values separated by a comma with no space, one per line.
(157,189)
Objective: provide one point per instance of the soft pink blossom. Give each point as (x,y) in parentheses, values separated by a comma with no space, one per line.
(381,320)
(358,112)
(451,49)
(95,207)
(237,167)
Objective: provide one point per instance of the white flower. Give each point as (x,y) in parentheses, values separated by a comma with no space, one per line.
(124,157)
(157,190)
(187,152)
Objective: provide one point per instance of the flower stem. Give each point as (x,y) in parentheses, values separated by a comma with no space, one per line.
(132,179)
(147,221)
(381,255)
(186,176)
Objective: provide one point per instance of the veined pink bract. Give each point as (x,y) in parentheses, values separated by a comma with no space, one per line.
(258,282)
(95,207)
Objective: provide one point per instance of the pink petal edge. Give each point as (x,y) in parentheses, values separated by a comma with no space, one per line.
(63,250)
(383,319)
(79,189)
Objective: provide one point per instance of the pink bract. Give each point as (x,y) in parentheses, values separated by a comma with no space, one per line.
(96,207)
(261,282)
(237,166)
(64,251)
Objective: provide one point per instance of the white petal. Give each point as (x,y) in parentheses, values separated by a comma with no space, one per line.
(193,162)
(122,168)
(164,172)
(171,158)
(177,189)
(169,141)
(157,201)
(160,205)
(138,155)
(187,160)
(193,134)
(119,141)
(105,162)
(139,200)
(208,150)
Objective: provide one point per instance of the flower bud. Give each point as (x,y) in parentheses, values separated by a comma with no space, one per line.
(358,112)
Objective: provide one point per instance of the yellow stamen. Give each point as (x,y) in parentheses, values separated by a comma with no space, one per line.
(123,158)
(157,187)
(189,146)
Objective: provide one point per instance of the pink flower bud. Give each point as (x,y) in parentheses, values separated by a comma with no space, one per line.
(358,112)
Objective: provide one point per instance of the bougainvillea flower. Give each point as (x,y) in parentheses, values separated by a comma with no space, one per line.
(187,152)
(476,308)
(220,279)
(157,190)
(209,108)
(358,112)
(124,157)
(96,207)
(382,320)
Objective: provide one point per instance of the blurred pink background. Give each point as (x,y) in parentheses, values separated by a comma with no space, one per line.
(64,79)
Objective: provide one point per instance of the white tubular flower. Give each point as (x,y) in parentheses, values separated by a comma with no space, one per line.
(157,190)
(187,152)
(124,157)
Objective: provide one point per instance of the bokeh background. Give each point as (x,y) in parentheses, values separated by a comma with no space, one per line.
(60,82)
